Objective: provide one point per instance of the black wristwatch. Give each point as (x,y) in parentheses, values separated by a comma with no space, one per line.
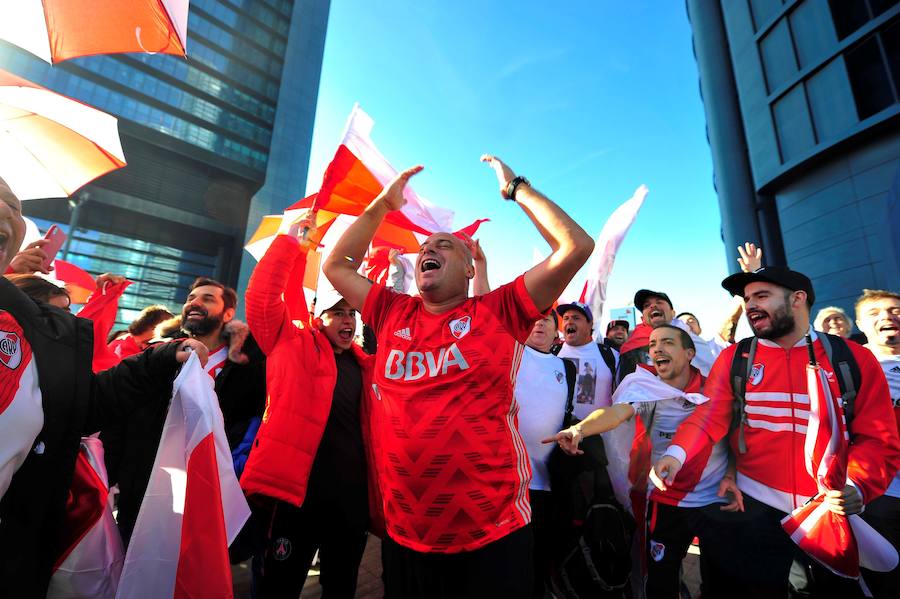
(510,192)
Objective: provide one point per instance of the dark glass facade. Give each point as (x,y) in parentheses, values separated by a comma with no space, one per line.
(802,99)
(198,135)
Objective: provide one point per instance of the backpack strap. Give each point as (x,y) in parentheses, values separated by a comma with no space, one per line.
(571,376)
(846,369)
(609,357)
(741,366)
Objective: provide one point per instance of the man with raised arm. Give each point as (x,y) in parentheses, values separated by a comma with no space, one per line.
(455,471)
(766,417)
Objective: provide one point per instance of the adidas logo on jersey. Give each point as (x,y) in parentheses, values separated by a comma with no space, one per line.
(403,334)
(414,365)
(895,369)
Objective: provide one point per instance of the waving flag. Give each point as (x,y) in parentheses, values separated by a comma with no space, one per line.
(605,249)
(193,507)
(839,543)
(358,173)
(101,308)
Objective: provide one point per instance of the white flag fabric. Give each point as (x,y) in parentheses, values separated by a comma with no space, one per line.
(193,507)
(604,256)
(638,387)
(91,569)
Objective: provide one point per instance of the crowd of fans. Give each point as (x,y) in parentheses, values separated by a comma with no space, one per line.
(492,443)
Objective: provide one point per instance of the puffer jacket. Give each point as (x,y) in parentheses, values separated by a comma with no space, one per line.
(301,376)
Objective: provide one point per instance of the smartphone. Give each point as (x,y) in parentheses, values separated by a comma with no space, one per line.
(55,237)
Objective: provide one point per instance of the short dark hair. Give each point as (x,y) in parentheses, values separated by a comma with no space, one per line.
(148,319)
(37,288)
(688,314)
(686,341)
(229,295)
(555,317)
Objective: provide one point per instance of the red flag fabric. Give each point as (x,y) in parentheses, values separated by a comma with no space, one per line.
(79,283)
(831,539)
(101,308)
(640,337)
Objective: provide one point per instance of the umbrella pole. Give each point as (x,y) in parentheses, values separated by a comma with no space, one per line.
(75,203)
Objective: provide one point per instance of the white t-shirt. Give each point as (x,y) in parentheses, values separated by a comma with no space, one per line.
(891,367)
(540,392)
(593,387)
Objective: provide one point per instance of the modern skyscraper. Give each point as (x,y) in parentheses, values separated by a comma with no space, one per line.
(802,101)
(211,140)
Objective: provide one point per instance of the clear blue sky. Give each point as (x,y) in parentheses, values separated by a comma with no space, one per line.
(588,99)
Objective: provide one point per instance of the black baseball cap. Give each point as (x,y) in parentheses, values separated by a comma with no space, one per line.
(580,306)
(777,275)
(618,323)
(641,296)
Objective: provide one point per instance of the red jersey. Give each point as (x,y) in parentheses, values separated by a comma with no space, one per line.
(455,470)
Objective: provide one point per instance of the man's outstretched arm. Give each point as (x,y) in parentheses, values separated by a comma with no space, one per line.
(571,245)
(342,264)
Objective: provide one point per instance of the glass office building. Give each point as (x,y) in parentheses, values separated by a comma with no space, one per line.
(802,99)
(213,141)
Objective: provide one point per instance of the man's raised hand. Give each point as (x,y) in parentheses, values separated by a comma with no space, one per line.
(504,173)
(750,259)
(391,197)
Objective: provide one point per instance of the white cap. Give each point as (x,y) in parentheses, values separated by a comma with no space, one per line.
(327,297)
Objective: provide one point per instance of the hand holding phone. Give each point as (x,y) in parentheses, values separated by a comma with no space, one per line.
(55,237)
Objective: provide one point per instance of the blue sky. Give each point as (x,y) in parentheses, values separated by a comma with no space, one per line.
(588,101)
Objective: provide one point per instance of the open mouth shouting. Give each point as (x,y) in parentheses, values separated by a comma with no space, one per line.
(346,334)
(429,264)
(196,313)
(661,361)
(757,318)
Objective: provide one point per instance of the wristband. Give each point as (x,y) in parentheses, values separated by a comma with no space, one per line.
(510,191)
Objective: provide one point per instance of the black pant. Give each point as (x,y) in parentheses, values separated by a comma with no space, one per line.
(670,532)
(546,539)
(499,570)
(757,561)
(296,535)
(883,514)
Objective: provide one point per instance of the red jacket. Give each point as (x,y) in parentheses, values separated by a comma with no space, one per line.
(773,469)
(301,375)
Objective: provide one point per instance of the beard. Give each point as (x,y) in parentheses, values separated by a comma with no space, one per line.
(203,326)
(782,322)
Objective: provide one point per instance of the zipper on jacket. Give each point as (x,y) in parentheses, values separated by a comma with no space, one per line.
(792,467)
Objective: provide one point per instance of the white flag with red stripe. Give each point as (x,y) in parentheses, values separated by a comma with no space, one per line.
(605,249)
(841,544)
(193,507)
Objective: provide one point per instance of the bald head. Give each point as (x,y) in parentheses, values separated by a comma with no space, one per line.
(444,267)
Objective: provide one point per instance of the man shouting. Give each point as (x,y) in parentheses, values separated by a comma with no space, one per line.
(455,472)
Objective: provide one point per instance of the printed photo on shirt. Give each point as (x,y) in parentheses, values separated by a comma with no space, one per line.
(586,383)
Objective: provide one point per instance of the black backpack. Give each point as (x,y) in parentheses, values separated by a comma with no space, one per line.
(840,356)
(593,559)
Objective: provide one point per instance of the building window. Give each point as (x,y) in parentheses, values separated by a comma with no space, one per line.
(814,33)
(795,132)
(831,101)
(869,77)
(778,56)
(850,15)
(764,10)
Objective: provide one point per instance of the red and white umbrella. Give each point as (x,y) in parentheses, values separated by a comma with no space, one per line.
(840,543)
(57,30)
(51,145)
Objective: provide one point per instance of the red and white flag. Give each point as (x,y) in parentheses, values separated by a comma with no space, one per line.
(193,507)
(841,544)
(605,249)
